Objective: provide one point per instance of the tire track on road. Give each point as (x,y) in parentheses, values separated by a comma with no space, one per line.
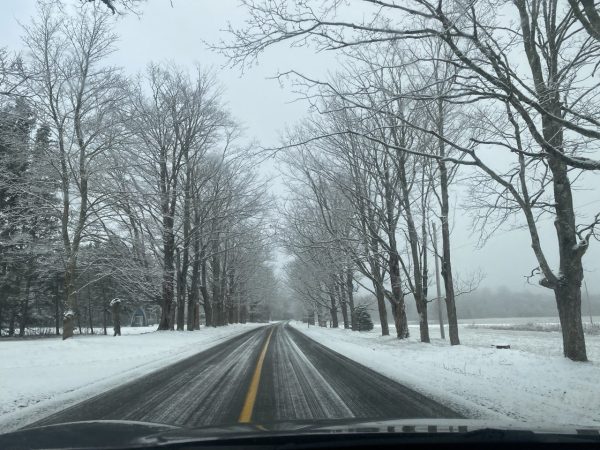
(205,389)
(257,379)
(292,388)
(304,380)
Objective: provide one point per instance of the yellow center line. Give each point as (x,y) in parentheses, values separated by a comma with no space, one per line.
(246,415)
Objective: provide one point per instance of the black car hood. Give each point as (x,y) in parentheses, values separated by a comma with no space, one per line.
(113,434)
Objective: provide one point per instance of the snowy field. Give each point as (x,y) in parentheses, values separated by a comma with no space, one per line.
(532,382)
(518,320)
(40,376)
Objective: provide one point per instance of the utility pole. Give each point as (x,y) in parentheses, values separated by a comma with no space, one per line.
(437,283)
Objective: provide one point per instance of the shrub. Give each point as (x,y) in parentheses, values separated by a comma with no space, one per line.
(362,318)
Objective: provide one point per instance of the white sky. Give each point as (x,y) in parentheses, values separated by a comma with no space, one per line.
(178,33)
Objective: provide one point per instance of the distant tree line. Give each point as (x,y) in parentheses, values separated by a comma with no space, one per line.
(503,302)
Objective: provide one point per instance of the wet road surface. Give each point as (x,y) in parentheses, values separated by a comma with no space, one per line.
(269,374)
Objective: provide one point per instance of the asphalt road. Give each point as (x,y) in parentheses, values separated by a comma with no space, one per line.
(273,373)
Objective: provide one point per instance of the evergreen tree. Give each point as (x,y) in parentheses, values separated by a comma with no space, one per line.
(362,318)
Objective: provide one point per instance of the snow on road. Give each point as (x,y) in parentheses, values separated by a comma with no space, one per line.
(40,376)
(532,382)
(300,380)
(204,390)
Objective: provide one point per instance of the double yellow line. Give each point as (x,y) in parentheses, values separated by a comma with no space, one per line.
(246,415)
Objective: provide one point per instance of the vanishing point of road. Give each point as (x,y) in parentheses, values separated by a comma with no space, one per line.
(270,374)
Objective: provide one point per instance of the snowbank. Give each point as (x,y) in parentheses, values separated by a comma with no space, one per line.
(530,383)
(40,376)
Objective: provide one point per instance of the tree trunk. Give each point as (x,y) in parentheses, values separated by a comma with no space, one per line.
(104,324)
(423,324)
(168,276)
(342,296)
(391,222)
(238,305)
(380,296)
(116,315)
(12,321)
(377,280)
(333,312)
(437,283)
(104,312)
(208,309)
(350,296)
(446,260)
(216,287)
(193,315)
(232,294)
(243,313)
(196,316)
(567,285)
(397,302)
(57,306)
(70,309)
(445,211)
(191,311)
(224,320)
(319,314)
(25,307)
(400,320)
(90,317)
(181,291)
(167,301)
(230,313)
(568,300)
(567,290)
(2,303)
(172,318)
(206,300)
(184,264)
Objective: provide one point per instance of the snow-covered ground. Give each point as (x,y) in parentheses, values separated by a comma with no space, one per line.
(519,320)
(40,376)
(532,382)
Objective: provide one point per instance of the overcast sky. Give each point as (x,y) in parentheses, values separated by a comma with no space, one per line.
(165,33)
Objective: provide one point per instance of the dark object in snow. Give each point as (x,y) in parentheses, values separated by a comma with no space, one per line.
(501,346)
(115,305)
(138,318)
(362,318)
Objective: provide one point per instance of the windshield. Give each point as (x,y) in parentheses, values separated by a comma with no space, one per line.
(313,212)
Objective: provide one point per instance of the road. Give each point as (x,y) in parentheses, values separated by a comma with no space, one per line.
(273,373)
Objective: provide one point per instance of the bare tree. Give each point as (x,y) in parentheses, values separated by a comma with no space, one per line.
(12,76)
(552,104)
(176,125)
(79,99)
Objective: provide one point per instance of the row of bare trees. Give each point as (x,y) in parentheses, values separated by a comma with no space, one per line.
(364,208)
(139,185)
(502,92)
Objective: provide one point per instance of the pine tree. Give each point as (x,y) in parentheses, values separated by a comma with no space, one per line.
(362,318)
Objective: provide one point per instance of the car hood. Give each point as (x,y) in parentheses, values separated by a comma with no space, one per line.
(112,434)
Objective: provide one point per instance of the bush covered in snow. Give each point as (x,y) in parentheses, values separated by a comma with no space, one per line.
(363,318)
